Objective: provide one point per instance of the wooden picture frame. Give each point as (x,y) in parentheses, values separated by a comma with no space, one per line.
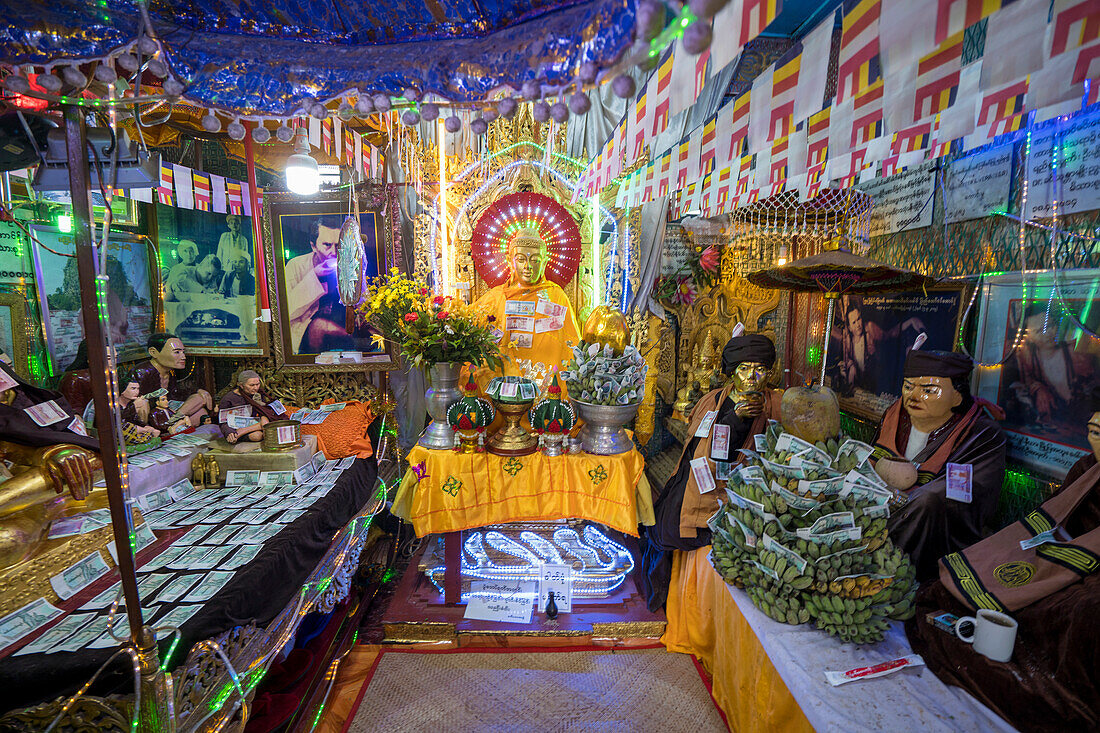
(307,318)
(13,331)
(890,323)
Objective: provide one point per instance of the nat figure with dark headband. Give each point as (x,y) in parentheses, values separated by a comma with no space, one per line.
(958,452)
(730,417)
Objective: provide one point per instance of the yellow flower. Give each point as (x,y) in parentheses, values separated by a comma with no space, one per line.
(378,340)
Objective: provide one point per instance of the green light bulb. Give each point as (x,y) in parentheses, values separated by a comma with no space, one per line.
(64,223)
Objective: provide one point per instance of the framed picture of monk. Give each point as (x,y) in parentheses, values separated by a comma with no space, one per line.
(313,329)
(1038,343)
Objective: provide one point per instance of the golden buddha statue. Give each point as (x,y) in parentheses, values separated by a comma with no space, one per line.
(46,462)
(533,315)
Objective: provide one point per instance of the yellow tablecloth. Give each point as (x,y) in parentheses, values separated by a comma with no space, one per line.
(464,490)
(704,620)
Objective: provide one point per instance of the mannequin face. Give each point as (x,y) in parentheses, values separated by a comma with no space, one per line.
(172,356)
(251,386)
(132,391)
(929,400)
(1094,434)
(528,261)
(749,376)
(162,402)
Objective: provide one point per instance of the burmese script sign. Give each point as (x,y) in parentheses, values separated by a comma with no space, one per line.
(978,184)
(902,202)
(1078,152)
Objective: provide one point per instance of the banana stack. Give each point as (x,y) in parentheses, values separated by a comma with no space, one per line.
(804,533)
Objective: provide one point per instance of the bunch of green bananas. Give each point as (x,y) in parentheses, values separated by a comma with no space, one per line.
(786,609)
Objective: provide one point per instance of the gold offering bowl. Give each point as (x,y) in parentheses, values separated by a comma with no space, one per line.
(512,439)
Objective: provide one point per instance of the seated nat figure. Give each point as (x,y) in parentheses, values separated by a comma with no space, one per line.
(46,462)
(166,355)
(533,314)
(937,424)
(249,399)
(743,408)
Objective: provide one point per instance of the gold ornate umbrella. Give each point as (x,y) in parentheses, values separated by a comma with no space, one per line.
(833,272)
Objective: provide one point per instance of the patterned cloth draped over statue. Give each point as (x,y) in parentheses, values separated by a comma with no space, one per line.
(446,491)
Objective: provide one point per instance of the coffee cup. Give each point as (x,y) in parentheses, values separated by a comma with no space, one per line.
(993,634)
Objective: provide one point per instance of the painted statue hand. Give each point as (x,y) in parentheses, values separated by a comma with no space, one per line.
(69,467)
(750,406)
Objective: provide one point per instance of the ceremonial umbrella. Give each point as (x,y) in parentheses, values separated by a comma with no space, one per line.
(833,272)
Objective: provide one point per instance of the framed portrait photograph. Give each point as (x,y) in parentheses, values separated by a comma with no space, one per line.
(13,331)
(208,267)
(871,334)
(312,328)
(132,300)
(1038,338)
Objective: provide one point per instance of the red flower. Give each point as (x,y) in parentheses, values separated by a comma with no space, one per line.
(441,315)
(422,291)
(490,319)
(709,259)
(410,317)
(438,300)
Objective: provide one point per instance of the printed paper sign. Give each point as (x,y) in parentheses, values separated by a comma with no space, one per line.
(508,609)
(559,579)
(960,482)
(720,446)
(519,308)
(703,476)
(519,323)
(703,430)
(46,413)
(285,433)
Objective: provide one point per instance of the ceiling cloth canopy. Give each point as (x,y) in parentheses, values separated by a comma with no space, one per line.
(274,57)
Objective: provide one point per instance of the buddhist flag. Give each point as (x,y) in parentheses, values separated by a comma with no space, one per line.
(661,84)
(326,135)
(617,147)
(638,132)
(233,194)
(683,156)
(337,138)
(744,173)
(708,145)
(1002,110)
(201,183)
(164,190)
(859,64)
(738,23)
(817,138)
(813,69)
(218,204)
(357,154)
(851,167)
(732,128)
(665,174)
(784,91)
(181,182)
(917,137)
(778,174)
(955,16)
(938,78)
(725,182)
(689,74)
(706,194)
(867,114)
(942,147)
(647,187)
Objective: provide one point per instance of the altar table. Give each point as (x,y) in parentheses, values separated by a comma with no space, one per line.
(457,491)
(769,676)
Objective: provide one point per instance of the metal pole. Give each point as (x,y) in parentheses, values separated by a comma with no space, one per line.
(831,298)
(104,388)
(257,226)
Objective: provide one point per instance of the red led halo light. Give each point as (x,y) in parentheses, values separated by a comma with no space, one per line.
(495,227)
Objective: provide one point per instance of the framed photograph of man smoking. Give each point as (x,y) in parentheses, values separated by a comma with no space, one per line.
(871,334)
(312,329)
(208,267)
(1037,338)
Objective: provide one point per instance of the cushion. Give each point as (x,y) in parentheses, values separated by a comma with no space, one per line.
(344,432)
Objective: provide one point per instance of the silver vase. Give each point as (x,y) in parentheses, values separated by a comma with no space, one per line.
(442,393)
(602,433)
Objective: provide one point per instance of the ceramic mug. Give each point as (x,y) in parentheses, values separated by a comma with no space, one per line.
(993,634)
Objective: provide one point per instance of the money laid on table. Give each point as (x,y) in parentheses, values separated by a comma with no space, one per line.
(177,588)
(142,538)
(170,555)
(150,582)
(242,557)
(346,462)
(242,478)
(79,575)
(178,616)
(209,586)
(333,408)
(154,500)
(211,559)
(27,619)
(67,527)
(180,451)
(193,536)
(289,516)
(51,641)
(276,478)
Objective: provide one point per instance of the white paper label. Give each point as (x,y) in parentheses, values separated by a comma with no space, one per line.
(703,430)
(559,579)
(704,479)
(508,609)
(46,413)
(720,446)
(960,479)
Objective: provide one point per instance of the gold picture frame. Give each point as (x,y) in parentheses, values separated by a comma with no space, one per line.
(13,331)
(285,215)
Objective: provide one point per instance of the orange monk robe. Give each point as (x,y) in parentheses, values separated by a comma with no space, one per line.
(537,325)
